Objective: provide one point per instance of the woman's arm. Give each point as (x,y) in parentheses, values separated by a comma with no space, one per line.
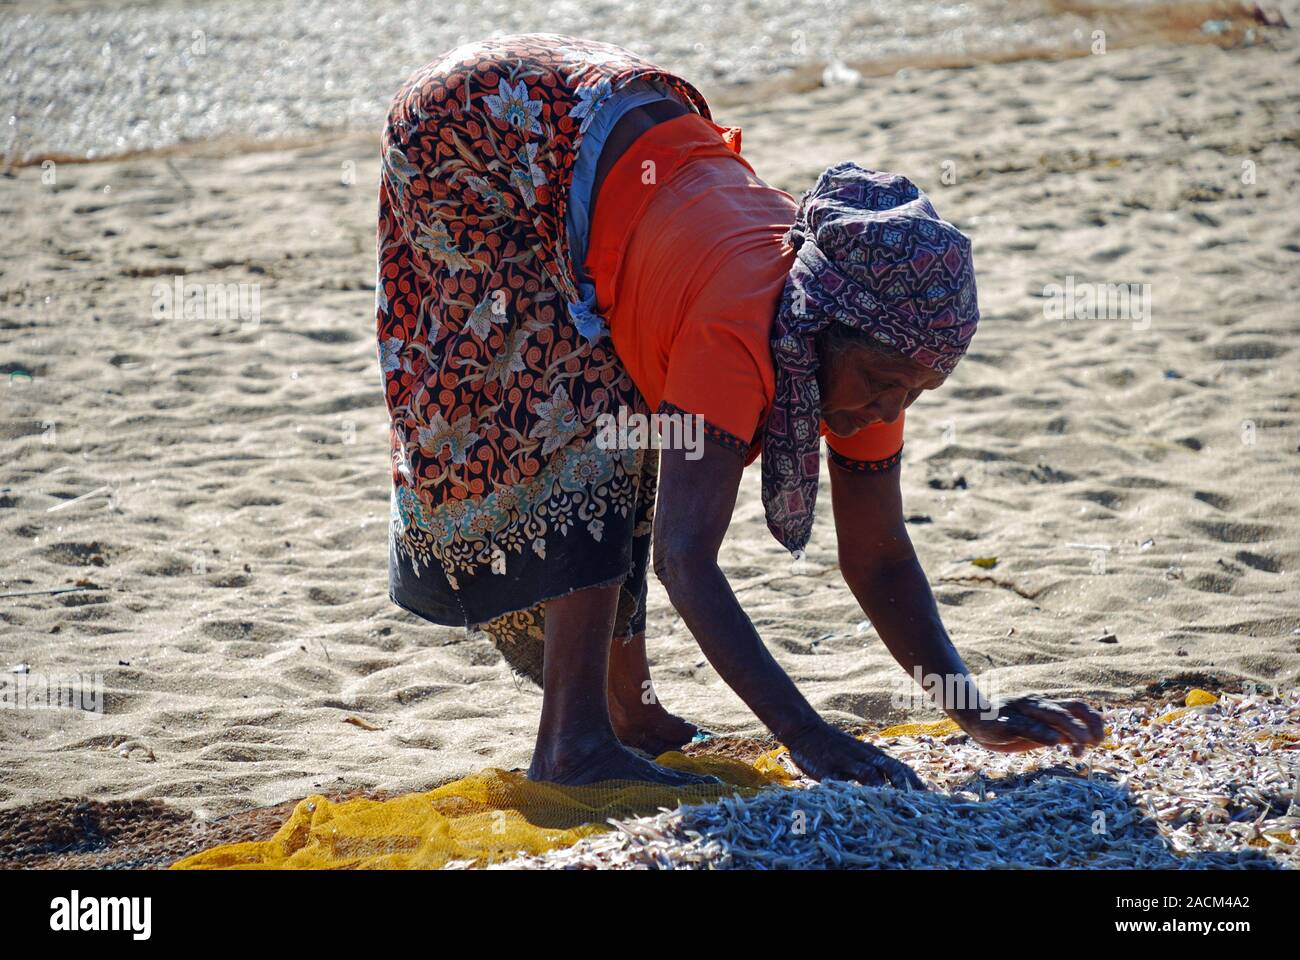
(880,566)
(696,499)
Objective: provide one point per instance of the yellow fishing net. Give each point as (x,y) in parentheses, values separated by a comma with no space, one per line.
(495,815)
(489,817)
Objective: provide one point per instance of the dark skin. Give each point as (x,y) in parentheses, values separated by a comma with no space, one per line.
(599,707)
(586,737)
(578,742)
(861,386)
(639,720)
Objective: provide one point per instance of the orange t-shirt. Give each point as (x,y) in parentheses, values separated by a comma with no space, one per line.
(689,261)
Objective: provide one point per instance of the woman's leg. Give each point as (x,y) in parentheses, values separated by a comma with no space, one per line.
(639,719)
(576,741)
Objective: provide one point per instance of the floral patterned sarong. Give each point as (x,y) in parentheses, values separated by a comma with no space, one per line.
(493,378)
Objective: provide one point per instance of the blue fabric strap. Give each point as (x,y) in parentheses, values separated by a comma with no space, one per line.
(578,218)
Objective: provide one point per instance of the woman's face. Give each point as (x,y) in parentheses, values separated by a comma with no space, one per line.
(861,386)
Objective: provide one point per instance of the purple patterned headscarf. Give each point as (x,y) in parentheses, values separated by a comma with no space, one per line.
(873,254)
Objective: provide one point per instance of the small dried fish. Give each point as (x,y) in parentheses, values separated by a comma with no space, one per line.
(1205,788)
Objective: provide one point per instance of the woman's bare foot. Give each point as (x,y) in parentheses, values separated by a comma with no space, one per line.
(575,764)
(649,727)
(576,743)
(639,720)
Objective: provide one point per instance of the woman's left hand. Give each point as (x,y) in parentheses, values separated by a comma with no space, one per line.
(1027,723)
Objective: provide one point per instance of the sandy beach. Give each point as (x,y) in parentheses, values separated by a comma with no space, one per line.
(217,488)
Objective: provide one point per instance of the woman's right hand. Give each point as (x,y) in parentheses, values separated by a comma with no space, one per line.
(824,753)
(1030,722)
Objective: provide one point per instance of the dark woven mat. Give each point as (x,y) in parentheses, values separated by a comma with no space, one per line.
(76,833)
